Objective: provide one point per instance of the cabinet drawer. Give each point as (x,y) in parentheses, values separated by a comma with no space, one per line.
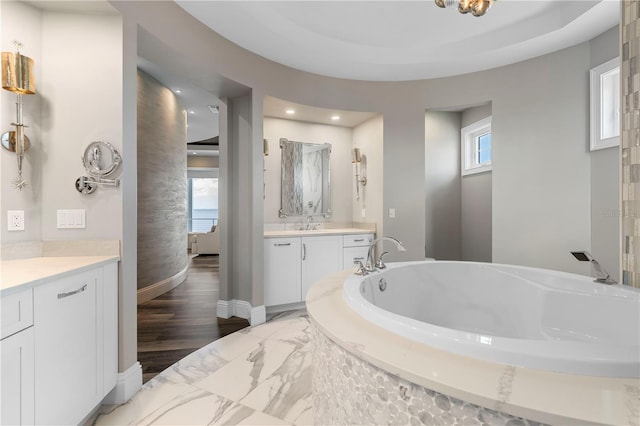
(16,312)
(357,240)
(352,254)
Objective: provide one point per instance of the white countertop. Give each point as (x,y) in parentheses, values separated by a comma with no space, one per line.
(20,273)
(318,232)
(543,396)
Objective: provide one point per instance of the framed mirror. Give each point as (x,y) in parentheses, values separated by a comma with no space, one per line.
(306,179)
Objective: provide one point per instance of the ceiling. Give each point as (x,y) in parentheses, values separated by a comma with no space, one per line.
(402,40)
(274,107)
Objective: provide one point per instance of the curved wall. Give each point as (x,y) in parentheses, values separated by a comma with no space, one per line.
(162,186)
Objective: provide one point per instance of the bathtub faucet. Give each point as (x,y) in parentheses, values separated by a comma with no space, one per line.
(370,266)
(603,276)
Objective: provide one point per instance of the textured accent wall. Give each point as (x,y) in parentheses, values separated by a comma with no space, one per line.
(630,79)
(162,183)
(351,391)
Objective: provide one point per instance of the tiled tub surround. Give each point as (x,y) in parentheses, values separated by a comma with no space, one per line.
(466,383)
(348,390)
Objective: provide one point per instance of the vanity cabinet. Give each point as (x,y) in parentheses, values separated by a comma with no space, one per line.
(59,345)
(75,359)
(16,355)
(293,264)
(282,270)
(321,256)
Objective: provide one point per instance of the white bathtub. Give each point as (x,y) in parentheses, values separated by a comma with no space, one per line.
(514,315)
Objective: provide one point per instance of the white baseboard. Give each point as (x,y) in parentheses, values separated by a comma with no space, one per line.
(129,382)
(242,309)
(154,290)
(223,309)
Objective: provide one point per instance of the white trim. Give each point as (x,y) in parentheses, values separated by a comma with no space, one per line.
(595,75)
(223,309)
(154,290)
(129,382)
(468,135)
(242,309)
(258,315)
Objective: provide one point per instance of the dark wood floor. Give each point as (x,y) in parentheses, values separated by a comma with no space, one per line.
(182,320)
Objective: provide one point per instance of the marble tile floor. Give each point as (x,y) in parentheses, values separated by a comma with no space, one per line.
(256,376)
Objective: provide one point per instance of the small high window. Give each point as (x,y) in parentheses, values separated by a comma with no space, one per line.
(605,105)
(476,147)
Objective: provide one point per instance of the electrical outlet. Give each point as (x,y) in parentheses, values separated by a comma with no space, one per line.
(15,220)
(392,213)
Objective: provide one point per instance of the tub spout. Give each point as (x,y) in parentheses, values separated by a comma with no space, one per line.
(603,276)
(371,265)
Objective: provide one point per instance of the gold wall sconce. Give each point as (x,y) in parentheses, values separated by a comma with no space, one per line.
(360,169)
(17,77)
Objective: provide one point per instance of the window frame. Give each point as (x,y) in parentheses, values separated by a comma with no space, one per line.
(469,136)
(596,142)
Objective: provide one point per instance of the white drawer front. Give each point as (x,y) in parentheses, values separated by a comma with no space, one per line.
(357,240)
(17,312)
(353,254)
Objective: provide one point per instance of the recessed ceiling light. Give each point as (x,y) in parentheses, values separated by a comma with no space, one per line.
(335,117)
(178,91)
(195,153)
(290,111)
(191,111)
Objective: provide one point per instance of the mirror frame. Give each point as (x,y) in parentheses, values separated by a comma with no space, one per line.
(286,181)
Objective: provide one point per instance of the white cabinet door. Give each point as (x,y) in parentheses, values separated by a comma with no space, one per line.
(321,256)
(65,325)
(17,372)
(281,271)
(353,254)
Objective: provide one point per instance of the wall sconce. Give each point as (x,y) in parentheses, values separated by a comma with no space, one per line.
(357,159)
(17,77)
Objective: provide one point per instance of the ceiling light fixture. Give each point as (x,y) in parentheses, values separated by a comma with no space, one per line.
(335,117)
(192,112)
(290,111)
(178,91)
(476,7)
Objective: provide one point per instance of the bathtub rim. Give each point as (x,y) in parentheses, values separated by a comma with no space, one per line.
(527,353)
(536,395)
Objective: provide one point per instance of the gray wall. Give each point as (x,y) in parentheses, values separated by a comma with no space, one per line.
(476,202)
(605,175)
(162,183)
(442,177)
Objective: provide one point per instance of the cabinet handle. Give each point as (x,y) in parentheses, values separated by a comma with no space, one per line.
(304,251)
(71,293)
(281,244)
(359,240)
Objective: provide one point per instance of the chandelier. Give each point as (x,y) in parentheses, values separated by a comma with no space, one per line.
(476,7)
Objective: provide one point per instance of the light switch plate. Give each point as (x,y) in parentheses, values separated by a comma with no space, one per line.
(71,219)
(392,213)
(15,220)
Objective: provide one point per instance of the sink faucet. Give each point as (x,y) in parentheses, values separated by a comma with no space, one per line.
(371,266)
(603,276)
(308,224)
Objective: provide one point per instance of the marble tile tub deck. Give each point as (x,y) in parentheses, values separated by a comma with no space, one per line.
(256,376)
